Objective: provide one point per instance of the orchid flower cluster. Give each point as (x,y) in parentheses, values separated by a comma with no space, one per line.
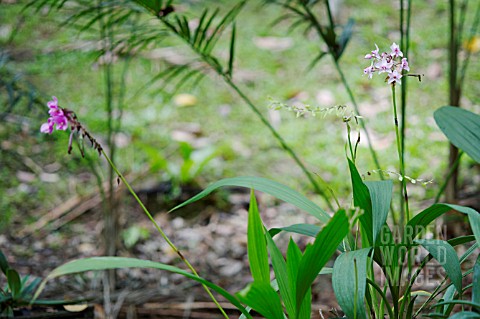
(60,118)
(392,63)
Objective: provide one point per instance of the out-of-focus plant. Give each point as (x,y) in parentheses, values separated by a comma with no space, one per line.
(186,170)
(202,41)
(18,291)
(457,71)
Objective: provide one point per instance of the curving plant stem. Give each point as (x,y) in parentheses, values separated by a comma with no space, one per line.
(160,230)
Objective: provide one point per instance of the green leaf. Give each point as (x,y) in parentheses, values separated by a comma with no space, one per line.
(302,229)
(256,244)
(350,280)
(447,296)
(104,263)
(381,197)
(294,255)
(232,51)
(462,129)
(465,315)
(424,218)
(281,275)
(267,186)
(14,282)
(263,299)
(319,253)
(476,282)
(446,256)
(3,263)
(361,198)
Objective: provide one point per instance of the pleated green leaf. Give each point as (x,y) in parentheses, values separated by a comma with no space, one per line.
(283,280)
(317,255)
(267,186)
(104,263)
(302,229)
(381,197)
(256,244)
(294,255)
(361,198)
(446,256)
(462,129)
(424,218)
(349,282)
(262,298)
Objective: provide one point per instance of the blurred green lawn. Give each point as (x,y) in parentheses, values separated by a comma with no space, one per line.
(61,61)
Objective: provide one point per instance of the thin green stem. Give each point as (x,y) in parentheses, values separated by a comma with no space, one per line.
(403,193)
(382,295)
(452,169)
(362,123)
(160,230)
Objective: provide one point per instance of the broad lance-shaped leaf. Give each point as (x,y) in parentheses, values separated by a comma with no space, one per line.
(281,275)
(424,218)
(263,299)
(294,255)
(256,244)
(361,198)
(381,197)
(267,186)
(317,255)
(14,282)
(349,282)
(446,256)
(462,129)
(104,263)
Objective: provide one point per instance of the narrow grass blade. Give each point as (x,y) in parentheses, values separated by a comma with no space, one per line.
(381,197)
(204,33)
(315,258)
(198,31)
(302,229)
(462,129)
(232,51)
(104,263)
(446,256)
(256,244)
(263,299)
(349,282)
(267,186)
(361,198)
